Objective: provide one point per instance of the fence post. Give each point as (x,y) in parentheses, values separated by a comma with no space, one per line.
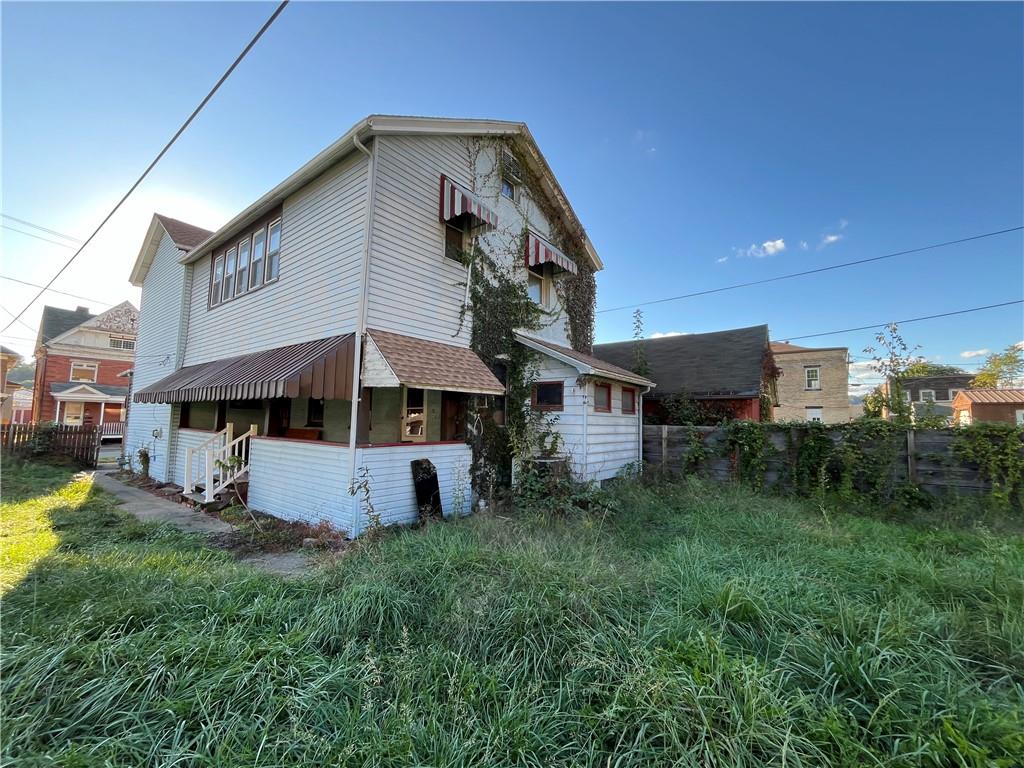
(664,444)
(911,460)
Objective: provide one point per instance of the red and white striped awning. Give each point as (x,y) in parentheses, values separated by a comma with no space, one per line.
(456,200)
(540,251)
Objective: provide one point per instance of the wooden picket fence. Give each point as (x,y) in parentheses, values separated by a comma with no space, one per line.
(79,443)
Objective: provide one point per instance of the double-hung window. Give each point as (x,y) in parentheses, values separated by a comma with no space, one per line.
(548,396)
(927,395)
(216,285)
(812,377)
(83,372)
(242,272)
(603,398)
(273,250)
(229,274)
(259,247)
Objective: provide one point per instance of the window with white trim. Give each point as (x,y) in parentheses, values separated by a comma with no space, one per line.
(259,247)
(813,413)
(229,274)
(242,272)
(121,342)
(926,396)
(217,281)
(812,377)
(273,250)
(953,393)
(83,372)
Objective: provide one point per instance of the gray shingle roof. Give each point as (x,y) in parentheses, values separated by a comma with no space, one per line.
(720,364)
(107,389)
(56,321)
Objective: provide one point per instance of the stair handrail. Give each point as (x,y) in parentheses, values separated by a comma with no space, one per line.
(224,436)
(220,458)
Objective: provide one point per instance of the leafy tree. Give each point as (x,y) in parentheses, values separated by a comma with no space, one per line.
(893,357)
(874,403)
(1001,369)
(23,374)
(926,368)
(640,364)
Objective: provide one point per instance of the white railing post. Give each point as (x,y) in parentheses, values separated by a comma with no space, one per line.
(189,456)
(208,490)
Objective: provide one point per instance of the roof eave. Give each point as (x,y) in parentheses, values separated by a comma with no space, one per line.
(147,252)
(385,125)
(582,368)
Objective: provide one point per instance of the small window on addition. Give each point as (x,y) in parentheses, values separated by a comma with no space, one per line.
(603,398)
(315,413)
(628,400)
(548,396)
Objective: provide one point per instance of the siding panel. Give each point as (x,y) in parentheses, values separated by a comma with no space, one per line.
(297,480)
(317,292)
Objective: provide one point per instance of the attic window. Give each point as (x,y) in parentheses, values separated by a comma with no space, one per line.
(511,175)
(508,189)
(120,342)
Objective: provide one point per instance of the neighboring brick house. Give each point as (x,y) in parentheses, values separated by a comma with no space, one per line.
(931,395)
(971,406)
(813,384)
(79,359)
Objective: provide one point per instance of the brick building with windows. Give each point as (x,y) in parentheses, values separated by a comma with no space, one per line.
(79,361)
(813,385)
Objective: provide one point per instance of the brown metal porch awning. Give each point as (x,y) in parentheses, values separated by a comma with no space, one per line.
(319,369)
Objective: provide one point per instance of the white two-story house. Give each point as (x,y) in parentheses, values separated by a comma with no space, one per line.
(322,337)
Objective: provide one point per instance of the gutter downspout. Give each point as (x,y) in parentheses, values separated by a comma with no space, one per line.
(360,332)
(640,430)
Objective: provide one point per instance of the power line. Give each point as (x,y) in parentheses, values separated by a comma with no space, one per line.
(904,322)
(812,271)
(37,237)
(167,146)
(52,290)
(22,323)
(41,229)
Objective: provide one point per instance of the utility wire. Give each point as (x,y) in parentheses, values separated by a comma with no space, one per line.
(167,146)
(813,271)
(37,237)
(53,290)
(41,229)
(904,322)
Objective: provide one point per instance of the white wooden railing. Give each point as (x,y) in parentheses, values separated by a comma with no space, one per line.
(223,459)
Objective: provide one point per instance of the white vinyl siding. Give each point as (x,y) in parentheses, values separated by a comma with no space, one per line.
(184,439)
(408,269)
(297,480)
(317,293)
(567,423)
(611,437)
(156,348)
(391,487)
(242,271)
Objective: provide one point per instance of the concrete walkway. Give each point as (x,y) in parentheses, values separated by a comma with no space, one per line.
(149,508)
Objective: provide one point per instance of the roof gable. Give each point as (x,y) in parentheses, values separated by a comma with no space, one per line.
(123,318)
(184,236)
(584,364)
(718,364)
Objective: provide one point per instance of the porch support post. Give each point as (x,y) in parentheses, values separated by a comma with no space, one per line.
(103,409)
(57,417)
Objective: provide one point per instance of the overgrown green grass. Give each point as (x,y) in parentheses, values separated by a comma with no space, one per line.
(693,626)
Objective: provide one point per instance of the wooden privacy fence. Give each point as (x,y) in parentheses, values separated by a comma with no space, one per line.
(922,457)
(79,443)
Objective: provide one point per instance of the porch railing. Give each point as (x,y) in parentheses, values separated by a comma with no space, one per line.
(223,458)
(113,428)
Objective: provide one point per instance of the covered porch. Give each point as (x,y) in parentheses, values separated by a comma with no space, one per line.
(303,444)
(80,404)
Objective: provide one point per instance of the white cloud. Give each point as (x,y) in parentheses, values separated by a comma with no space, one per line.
(969,353)
(645,140)
(666,334)
(843,223)
(803,245)
(828,240)
(864,370)
(767,248)
(722,260)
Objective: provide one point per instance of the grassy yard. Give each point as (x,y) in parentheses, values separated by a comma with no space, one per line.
(693,626)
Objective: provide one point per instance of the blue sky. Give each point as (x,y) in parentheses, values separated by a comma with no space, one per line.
(700,144)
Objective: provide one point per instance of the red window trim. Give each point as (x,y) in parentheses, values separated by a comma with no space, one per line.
(633,409)
(533,397)
(609,388)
